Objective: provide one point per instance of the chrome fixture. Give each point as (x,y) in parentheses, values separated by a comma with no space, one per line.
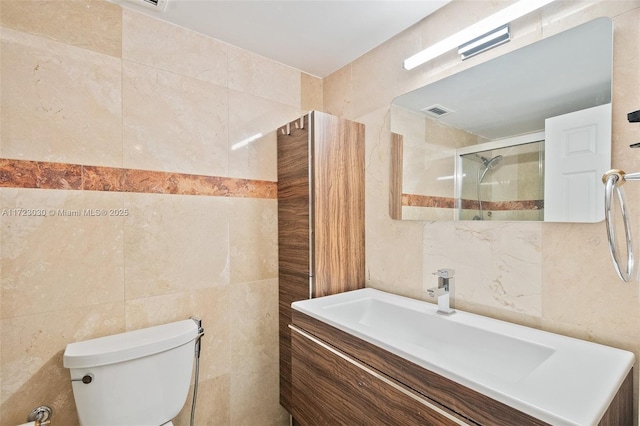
(478,30)
(493,38)
(613,180)
(443,291)
(198,322)
(41,416)
(489,164)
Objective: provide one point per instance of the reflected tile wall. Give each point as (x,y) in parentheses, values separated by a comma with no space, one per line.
(109,118)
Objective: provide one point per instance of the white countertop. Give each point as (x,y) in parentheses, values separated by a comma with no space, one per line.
(557,379)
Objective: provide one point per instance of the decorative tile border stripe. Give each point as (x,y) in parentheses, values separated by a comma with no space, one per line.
(427,201)
(46,175)
(449,203)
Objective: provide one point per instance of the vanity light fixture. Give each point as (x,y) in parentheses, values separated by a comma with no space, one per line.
(483,32)
(486,41)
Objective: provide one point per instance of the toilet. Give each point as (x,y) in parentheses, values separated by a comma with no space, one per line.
(137,378)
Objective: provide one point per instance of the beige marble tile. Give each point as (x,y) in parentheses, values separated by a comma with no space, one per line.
(311,93)
(565,14)
(582,290)
(626,89)
(32,349)
(212,406)
(393,248)
(255,399)
(253,233)
(337,93)
(162,45)
(59,102)
(175,243)
(384,64)
(429,214)
(259,76)
(252,137)
(496,264)
(173,123)
(93,24)
(254,156)
(254,315)
(212,305)
(254,381)
(499,313)
(64,260)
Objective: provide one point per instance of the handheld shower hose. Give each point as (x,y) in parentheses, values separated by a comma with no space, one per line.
(198,322)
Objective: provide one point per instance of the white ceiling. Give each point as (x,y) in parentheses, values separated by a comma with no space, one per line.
(317,37)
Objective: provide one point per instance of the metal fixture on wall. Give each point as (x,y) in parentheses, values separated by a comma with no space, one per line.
(489,32)
(613,180)
(489,164)
(493,38)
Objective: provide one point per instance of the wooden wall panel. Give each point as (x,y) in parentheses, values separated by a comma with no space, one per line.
(294,197)
(338,148)
(294,240)
(320,168)
(395,177)
(291,288)
(293,236)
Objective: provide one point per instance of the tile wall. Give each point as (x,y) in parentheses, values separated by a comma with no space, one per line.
(107,109)
(93,89)
(557,277)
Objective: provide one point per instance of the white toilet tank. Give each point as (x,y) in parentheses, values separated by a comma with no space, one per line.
(137,378)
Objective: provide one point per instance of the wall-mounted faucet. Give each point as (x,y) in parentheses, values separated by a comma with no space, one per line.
(443,291)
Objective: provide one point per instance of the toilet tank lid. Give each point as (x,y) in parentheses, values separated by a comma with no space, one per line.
(130,345)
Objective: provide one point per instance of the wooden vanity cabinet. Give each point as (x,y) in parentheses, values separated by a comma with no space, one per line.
(333,389)
(339,379)
(320,217)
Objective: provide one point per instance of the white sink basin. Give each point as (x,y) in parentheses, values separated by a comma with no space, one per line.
(560,380)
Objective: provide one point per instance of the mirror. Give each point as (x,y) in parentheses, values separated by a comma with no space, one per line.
(523,137)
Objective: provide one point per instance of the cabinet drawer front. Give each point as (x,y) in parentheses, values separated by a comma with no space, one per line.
(330,387)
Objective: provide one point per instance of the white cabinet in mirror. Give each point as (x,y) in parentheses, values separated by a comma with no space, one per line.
(522,137)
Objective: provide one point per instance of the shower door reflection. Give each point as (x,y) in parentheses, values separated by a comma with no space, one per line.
(505,183)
